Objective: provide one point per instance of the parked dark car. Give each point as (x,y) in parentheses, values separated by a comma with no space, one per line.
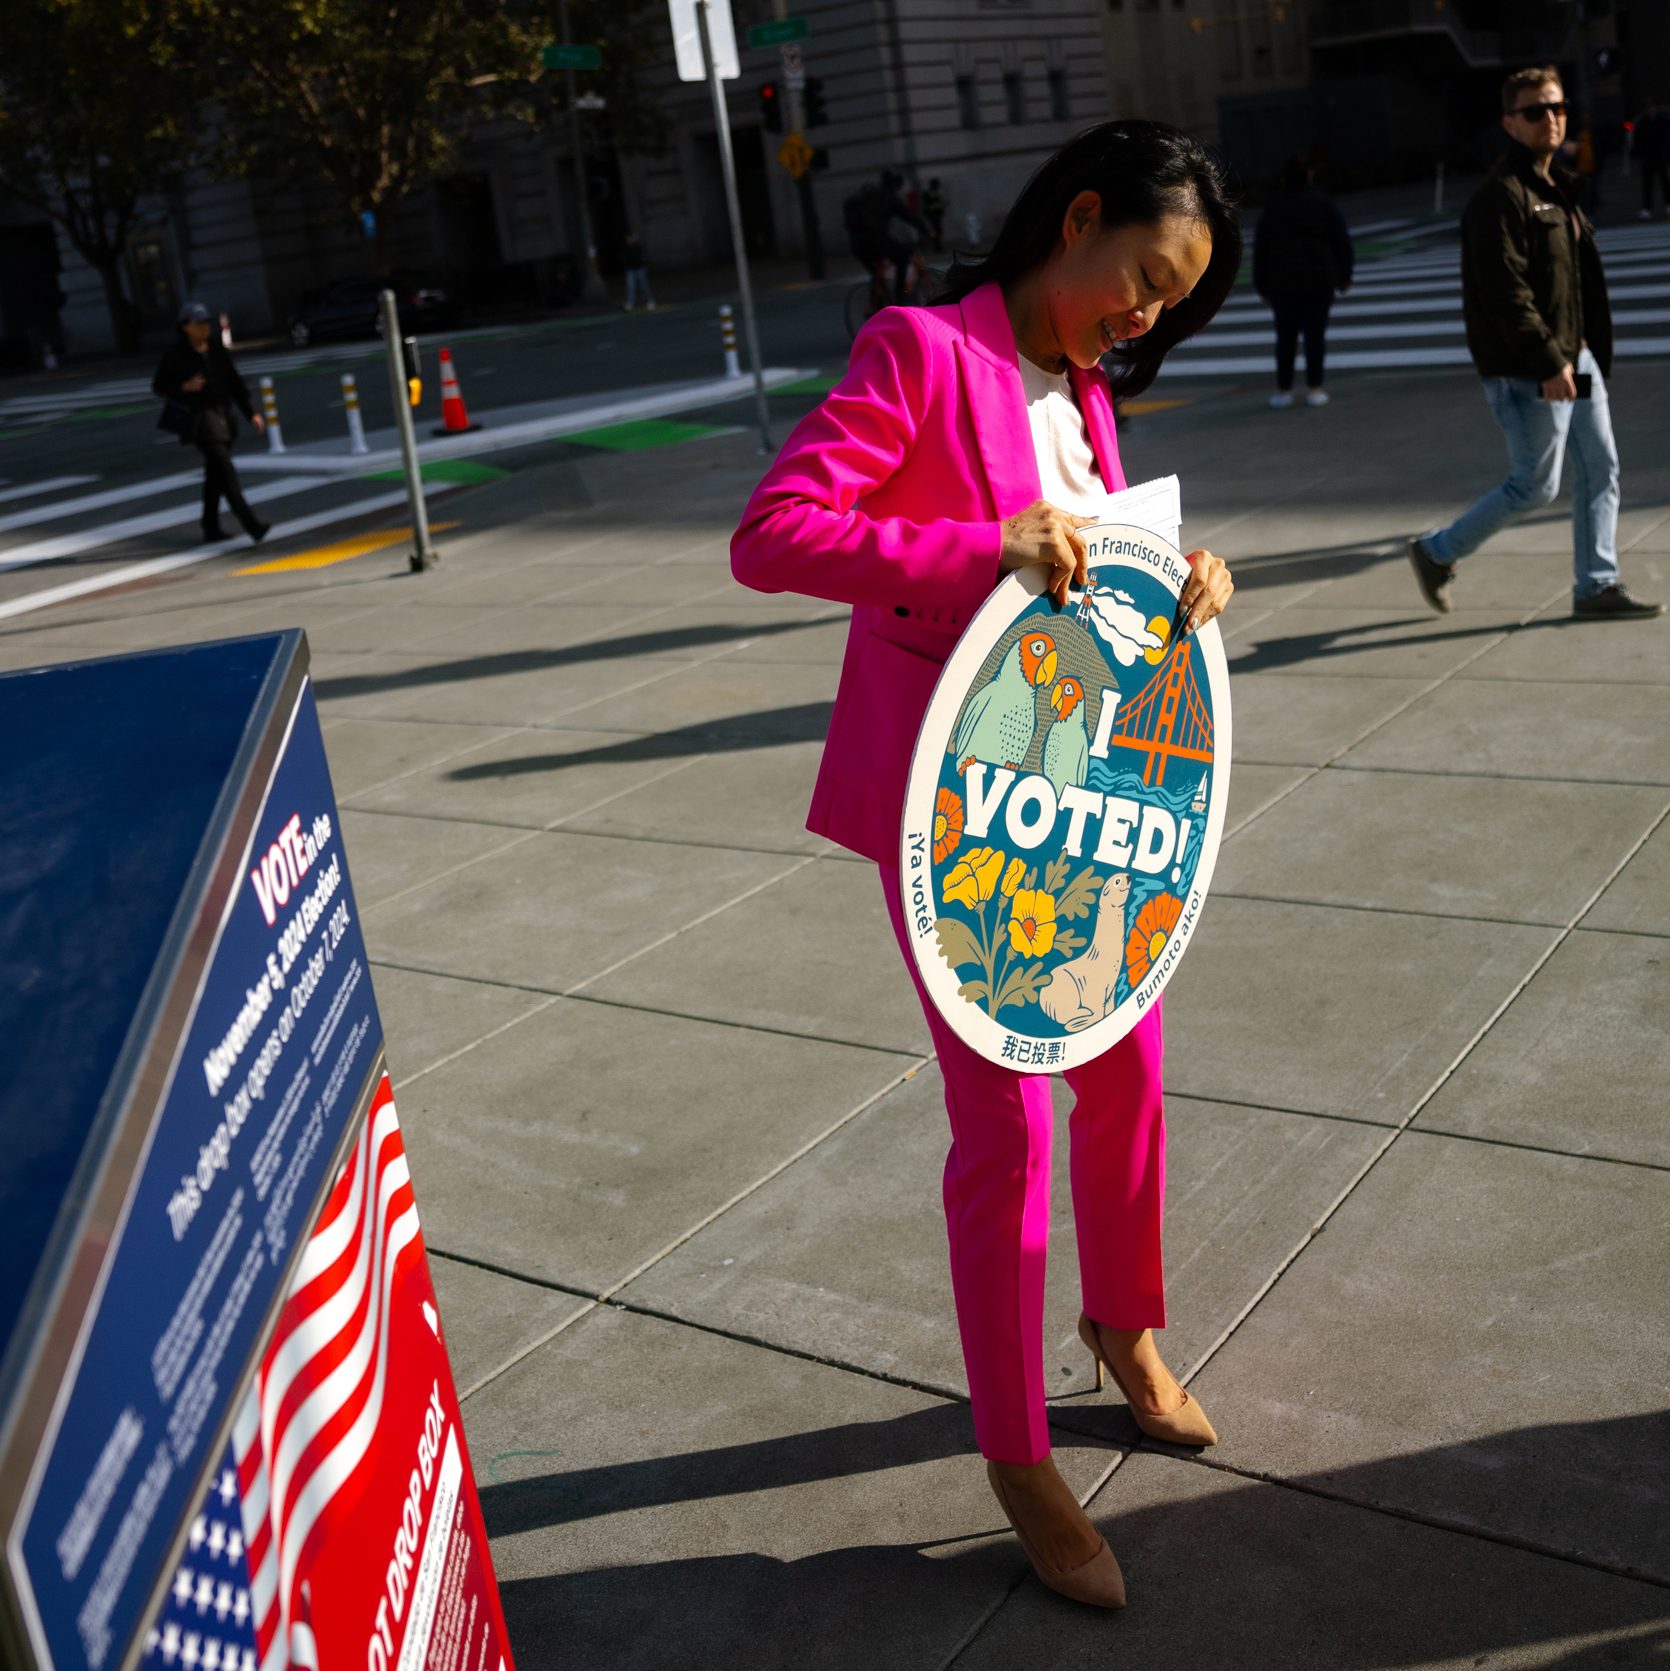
(349,309)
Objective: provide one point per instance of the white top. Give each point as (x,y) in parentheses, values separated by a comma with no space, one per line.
(1068,477)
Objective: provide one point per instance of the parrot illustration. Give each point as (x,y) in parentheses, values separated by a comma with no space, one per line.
(1067,748)
(998,719)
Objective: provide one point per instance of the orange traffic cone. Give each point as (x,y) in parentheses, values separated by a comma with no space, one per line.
(454,419)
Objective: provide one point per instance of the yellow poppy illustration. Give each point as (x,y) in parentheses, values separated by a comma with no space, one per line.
(1012,877)
(1148,936)
(1032,922)
(948,824)
(973,879)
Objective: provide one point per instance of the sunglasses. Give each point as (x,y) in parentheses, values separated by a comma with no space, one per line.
(1536,112)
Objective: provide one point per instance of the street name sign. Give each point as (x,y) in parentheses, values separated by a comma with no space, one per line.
(559,56)
(778,31)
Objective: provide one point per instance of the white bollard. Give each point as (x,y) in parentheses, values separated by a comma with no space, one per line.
(727,335)
(356,424)
(971,227)
(226,331)
(269,411)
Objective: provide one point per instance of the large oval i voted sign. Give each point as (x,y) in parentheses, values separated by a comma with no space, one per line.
(1065,804)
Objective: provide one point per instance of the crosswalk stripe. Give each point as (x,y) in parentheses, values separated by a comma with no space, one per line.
(97,501)
(1406,310)
(51,484)
(153,566)
(86,539)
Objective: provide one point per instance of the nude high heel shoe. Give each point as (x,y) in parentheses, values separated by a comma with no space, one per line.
(1186,1425)
(1097,1582)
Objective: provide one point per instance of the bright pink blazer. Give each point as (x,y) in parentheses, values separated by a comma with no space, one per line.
(889,497)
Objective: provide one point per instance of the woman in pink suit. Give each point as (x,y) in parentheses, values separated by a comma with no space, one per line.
(967,440)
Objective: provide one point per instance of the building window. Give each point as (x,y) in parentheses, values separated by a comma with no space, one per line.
(968,102)
(1058,95)
(1014,99)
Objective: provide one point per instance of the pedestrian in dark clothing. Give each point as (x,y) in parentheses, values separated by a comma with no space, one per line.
(202,386)
(636,269)
(933,212)
(1302,256)
(1539,329)
(1650,146)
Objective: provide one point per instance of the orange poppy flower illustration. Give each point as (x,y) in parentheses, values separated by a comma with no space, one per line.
(1012,877)
(973,878)
(1149,934)
(948,824)
(1032,922)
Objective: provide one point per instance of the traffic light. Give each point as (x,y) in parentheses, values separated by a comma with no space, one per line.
(771,108)
(812,98)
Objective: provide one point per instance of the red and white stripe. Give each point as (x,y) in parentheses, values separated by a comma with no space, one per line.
(304,1433)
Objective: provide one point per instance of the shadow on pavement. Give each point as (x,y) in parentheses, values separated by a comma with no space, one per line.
(807,723)
(501,665)
(1223,1571)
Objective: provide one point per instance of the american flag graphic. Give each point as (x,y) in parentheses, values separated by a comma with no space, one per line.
(302,1438)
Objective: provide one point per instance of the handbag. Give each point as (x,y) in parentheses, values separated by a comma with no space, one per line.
(178,417)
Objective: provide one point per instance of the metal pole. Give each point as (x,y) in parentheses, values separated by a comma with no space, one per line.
(424,554)
(809,228)
(591,284)
(727,167)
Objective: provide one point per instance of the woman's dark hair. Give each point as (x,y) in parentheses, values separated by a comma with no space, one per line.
(1143,172)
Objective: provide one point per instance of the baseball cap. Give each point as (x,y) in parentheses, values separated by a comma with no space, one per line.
(194,313)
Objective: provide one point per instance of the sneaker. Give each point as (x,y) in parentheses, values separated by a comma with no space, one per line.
(213,536)
(259,532)
(1434,577)
(1613,603)
(1316,397)
(1281,401)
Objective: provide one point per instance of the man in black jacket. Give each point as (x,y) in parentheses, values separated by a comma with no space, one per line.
(197,374)
(1540,332)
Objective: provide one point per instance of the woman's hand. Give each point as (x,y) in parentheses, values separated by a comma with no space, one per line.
(1206,591)
(258,421)
(193,384)
(1049,538)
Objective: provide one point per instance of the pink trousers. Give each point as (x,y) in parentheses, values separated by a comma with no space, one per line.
(997,1208)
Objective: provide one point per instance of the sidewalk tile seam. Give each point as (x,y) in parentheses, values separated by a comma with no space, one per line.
(1374,1159)
(427,766)
(609,1295)
(1585,1155)
(1413,1517)
(1338,765)
(403,1081)
(1397,910)
(695,922)
(578,997)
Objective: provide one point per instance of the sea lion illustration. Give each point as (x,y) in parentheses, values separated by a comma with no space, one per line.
(1081,991)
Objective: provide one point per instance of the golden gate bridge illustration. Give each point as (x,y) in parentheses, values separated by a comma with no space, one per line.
(1168,721)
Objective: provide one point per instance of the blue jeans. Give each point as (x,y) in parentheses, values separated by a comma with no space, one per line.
(1537,431)
(637,286)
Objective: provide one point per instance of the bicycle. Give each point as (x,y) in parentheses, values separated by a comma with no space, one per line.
(869,296)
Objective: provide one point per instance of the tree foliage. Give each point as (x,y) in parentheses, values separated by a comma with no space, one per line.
(379,97)
(98,107)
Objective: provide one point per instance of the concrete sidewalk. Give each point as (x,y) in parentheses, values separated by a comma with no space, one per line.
(676,1137)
